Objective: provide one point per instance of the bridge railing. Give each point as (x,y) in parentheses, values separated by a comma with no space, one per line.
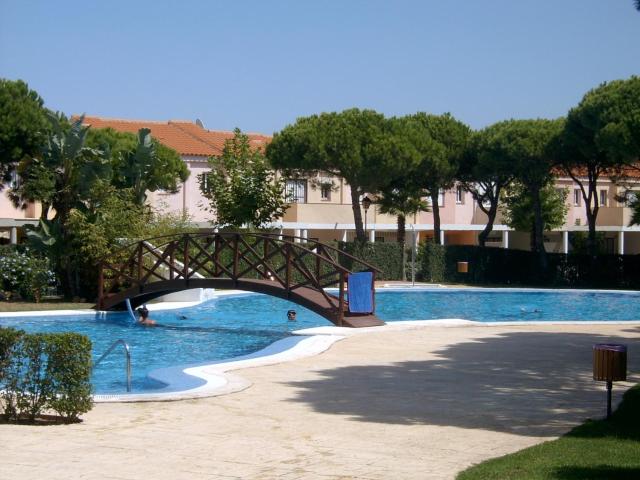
(291,262)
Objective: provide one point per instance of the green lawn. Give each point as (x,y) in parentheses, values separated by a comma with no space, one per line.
(34,307)
(597,449)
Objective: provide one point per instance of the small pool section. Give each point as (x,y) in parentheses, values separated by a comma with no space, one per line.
(506,305)
(234,325)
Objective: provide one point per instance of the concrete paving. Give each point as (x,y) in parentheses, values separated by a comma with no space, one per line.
(417,404)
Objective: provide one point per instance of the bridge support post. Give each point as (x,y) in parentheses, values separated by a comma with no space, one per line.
(236,250)
(287,248)
(341,301)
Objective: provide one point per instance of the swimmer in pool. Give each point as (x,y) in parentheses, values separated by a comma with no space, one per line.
(144,318)
(291,315)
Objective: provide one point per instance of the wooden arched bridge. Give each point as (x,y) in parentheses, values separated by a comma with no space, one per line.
(292,268)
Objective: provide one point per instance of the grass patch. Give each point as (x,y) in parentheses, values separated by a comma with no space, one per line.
(38,307)
(597,449)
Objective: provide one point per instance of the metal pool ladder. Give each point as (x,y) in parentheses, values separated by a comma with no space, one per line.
(127,354)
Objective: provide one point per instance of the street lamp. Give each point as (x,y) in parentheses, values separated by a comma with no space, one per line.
(366,203)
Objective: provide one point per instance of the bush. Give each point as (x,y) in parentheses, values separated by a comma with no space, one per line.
(431,258)
(69,370)
(495,266)
(28,380)
(41,372)
(24,273)
(385,256)
(9,339)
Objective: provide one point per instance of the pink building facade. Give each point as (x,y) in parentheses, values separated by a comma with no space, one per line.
(321,205)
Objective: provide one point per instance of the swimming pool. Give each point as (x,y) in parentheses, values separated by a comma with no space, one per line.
(233,325)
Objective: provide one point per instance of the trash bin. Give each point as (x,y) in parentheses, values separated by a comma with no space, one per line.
(609,362)
(609,365)
(463,267)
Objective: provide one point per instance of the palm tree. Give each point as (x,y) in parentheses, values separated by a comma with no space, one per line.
(62,177)
(402,202)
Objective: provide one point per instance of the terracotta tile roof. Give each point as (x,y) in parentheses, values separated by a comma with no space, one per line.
(183,136)
(629,172)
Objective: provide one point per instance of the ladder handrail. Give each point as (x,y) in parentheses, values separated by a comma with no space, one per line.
(127,354)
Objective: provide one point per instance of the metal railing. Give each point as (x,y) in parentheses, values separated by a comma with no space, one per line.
(127,354)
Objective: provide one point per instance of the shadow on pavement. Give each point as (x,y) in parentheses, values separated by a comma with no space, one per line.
(534,384)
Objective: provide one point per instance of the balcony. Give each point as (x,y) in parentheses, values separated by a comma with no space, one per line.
(331,213)
(613,217)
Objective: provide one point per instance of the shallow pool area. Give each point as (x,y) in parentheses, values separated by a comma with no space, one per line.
(234,325)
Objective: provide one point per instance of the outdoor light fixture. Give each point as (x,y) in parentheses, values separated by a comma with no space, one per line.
(366,203)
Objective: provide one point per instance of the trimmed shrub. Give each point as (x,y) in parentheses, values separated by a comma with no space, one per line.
(69,370)
(499,266)
(29,380)
(9,341)
(40,372)
(385,256)
(431,258)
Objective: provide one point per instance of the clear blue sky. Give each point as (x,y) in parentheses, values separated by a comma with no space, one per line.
(259,65)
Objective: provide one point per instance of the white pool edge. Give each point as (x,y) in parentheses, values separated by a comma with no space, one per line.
(218,380)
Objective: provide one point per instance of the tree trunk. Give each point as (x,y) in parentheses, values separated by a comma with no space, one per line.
(357,215)
(590,197)
(592,215)
(491,218)
(436,217)
(402,240)
(538,228)
(592,239)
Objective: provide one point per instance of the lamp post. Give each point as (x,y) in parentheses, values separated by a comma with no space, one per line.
(366,203)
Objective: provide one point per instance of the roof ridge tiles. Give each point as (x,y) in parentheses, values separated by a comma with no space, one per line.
(125,120)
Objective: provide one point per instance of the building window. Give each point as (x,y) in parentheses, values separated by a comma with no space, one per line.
(577,197)
(325,192)
(296,191)
(459,195)
(204,181)
(603,198)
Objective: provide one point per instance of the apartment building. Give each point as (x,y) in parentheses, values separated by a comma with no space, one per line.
(321,205)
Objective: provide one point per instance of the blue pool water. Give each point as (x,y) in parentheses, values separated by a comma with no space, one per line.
(235,325)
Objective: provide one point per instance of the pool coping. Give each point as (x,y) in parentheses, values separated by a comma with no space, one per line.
(214,378)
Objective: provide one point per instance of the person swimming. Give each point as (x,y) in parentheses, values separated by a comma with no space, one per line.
(144,317)
(291,315)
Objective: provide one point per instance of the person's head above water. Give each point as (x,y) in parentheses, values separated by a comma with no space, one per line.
(143,311)
(291,314)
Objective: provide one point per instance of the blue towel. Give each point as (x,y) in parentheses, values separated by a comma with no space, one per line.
(360,292)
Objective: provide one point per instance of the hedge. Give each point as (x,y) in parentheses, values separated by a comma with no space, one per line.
(490,265)
(385,256)
(44,372)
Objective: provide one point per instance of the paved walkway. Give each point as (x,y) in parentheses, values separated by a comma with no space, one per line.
(419,404)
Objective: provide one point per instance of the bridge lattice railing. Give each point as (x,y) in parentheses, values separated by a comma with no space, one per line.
(292,262)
